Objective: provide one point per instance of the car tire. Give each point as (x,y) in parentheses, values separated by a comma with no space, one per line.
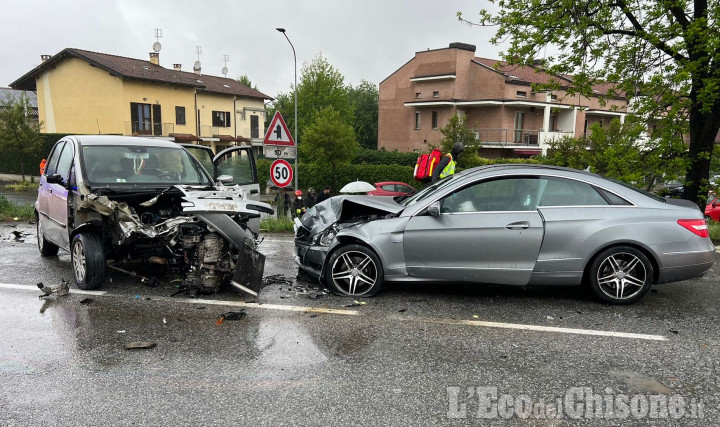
(46,247)
(354,270)
(88,260)
(620,275)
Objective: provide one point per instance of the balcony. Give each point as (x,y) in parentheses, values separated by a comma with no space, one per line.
(149,129)
(507,137)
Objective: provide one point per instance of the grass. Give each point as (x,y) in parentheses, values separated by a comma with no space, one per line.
(276,225)
(22,186)
(714,229)
(15,211)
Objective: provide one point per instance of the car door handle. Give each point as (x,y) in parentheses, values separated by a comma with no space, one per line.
(523,225)
(254,191)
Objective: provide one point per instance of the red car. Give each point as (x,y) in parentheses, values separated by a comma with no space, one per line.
(712,210)
(391,188)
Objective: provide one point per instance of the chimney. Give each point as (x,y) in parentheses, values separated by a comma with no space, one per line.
(155,58)
(177,67)
(44,58)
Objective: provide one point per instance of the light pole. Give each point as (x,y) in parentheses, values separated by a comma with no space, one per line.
(282,30)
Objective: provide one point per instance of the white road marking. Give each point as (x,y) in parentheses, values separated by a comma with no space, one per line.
(304,309)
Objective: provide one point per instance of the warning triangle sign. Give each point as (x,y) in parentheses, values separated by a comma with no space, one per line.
(277,133)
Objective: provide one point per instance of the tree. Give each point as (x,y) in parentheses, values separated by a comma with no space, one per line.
(244,79)
(320,86)
(364,99)
(457,131)
(330,140)
(19,133)
(619,152)
(660,54)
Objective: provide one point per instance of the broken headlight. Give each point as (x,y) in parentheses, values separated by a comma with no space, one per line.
(326,237)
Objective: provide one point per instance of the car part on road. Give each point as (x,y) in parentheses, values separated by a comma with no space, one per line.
(149,281)
(60,289)
(88,260)
(139,345)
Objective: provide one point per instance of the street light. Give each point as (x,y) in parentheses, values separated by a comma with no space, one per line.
(282,30)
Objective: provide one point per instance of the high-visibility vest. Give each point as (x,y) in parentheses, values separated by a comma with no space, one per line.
(449,169)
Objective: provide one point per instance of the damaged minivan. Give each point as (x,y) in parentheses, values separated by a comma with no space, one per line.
(109,200)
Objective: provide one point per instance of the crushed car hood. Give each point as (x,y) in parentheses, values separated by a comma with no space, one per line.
(345,208)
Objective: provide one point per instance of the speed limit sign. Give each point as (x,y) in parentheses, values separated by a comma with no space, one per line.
(281,173)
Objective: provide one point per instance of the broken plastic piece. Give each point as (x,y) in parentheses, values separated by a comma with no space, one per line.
(140,345)
(86,301)
(60,290)
(233,315)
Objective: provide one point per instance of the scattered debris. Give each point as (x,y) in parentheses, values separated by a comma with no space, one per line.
(86,301)
(276,279)
(549,318)
(140,345)
(402,310)
(149,281)
(164,321)
(19,236)
(355,304)
(475,316)
(60,290)
(313,295)
(230,315)
(313,315)
(202,307)
(121,331)
(674,331)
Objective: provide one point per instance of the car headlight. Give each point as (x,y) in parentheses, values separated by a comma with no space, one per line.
(326,237)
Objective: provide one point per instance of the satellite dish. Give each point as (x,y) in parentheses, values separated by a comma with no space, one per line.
(225,71)
(196,65)
(157,46)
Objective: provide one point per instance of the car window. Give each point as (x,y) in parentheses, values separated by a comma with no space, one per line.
(105,164)
(51,165)
(237,164)
(65,161)
(403,189)
(567,192)
(507,194)
(388,187)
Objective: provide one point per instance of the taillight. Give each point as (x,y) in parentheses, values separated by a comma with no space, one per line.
(697,226)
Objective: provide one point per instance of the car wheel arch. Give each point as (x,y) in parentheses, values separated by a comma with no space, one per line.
(92,227)
(649,254)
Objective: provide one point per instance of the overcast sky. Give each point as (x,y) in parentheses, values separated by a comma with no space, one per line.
(367,39)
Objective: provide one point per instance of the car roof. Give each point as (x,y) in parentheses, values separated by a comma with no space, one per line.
(391,182)
(122,140)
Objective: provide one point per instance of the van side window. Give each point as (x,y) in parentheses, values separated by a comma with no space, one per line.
(51,166)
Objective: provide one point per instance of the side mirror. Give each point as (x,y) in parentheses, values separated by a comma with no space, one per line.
(55,178)
(225,179)
(434,208)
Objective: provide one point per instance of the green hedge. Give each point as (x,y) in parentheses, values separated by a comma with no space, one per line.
(10,160)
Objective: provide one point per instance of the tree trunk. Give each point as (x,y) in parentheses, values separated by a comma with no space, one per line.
(704,127)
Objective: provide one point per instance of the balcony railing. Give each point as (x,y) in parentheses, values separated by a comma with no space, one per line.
(507,137)
(150,129)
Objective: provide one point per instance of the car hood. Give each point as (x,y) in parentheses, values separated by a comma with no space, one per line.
(346,208)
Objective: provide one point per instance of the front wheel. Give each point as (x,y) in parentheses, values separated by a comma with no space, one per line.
(354,270)
(88,260)
(621,275)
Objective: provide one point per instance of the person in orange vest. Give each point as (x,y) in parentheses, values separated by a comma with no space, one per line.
(42,166)
(446,167)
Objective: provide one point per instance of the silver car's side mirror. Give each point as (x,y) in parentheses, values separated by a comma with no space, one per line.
(225,179)
(434,208)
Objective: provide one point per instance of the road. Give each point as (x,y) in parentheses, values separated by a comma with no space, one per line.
(414,355)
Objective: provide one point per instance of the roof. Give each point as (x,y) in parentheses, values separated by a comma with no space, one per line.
(521,73)
(137,69)
(11,95)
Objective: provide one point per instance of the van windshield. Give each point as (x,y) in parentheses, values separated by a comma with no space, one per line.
(119,164)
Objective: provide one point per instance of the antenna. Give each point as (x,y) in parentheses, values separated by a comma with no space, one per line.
(226,58)
(197,65)
(158,35)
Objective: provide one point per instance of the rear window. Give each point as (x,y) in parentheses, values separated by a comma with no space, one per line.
(118,164)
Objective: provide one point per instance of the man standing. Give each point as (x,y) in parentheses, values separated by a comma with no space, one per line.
(446,167)
(324,195)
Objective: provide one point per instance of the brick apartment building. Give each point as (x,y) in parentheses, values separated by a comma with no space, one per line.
(507,116)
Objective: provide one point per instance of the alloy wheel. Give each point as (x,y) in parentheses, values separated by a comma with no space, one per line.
(621,276)
(354,273)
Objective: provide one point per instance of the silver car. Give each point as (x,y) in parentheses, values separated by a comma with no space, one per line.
(510,225)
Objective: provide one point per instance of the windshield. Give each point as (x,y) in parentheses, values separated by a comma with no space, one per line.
(425,192)
(117,164)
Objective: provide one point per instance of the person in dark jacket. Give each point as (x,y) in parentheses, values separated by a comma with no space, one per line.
(324,195)
(310,202)
(299,206)
(446,167)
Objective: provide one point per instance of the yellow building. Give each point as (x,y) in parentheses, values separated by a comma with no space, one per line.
(83,92)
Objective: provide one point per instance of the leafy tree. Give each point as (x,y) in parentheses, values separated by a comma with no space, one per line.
(457,131)
(365,99)
(663,55)
(19,134)
(330,140)
(320,86)
(244,79)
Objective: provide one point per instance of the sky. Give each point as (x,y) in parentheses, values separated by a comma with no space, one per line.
(362,39)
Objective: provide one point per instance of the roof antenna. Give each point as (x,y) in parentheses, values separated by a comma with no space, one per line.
(158,35)
(197,65)
(226,58)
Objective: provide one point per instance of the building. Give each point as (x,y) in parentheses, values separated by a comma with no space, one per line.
(83,92)
(8,95)
(508,117)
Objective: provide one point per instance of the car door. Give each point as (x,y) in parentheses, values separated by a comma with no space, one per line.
(488,232)
(239,162)
(45,191)
(57,197)
(204,155)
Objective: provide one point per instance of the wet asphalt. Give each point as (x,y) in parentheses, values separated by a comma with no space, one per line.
(413,355)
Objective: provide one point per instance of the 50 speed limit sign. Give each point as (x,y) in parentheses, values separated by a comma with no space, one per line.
(281,173)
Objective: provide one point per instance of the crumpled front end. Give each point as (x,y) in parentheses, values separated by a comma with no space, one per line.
(200,234)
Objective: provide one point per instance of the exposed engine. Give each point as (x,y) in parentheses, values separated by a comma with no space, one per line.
(207,259)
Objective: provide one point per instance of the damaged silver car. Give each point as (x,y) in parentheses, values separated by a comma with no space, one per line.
(109,200)
(508,225)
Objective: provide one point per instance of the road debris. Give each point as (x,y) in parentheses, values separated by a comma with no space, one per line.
(402,310)
(136,345)
(60,290)
(148,281)
(355,303)
(86,301)
(230,315)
